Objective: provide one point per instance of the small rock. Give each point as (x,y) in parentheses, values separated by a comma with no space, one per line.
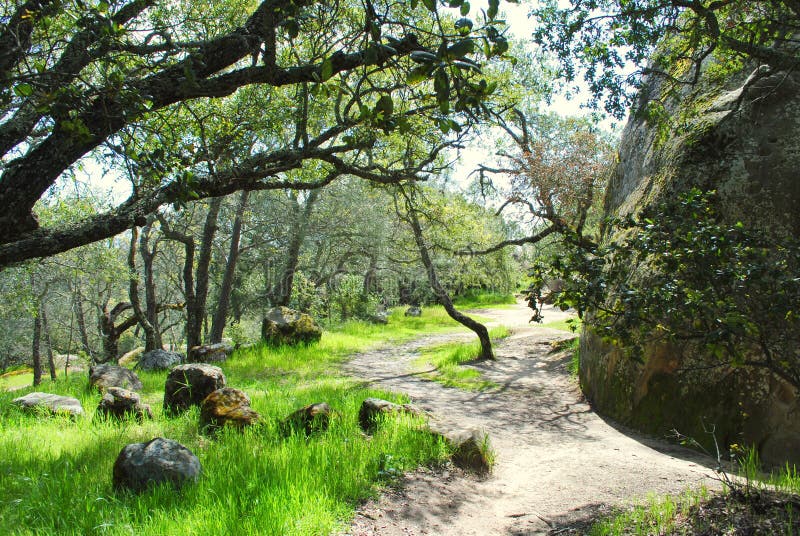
(188,385)
(121,403)
(159,360)
(140,465)
(210,353)
(309,419)
(472,450)
(373,408)
(413,311)
(381,317)
(55,404)
(104,376)
(282,325)
(227,407)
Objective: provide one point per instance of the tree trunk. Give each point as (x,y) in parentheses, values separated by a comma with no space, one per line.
(203,263)
(37,338)
(193,317)
(221,313)
(440,292)
(151,333)
(81,319)
(51,362)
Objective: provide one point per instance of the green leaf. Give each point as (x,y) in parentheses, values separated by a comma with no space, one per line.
(417,74)
(326,71)
(465,8)
(430,4)
(23,90)
(461,48)
(494,6)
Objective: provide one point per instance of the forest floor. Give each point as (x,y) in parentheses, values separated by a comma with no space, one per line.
(558,463)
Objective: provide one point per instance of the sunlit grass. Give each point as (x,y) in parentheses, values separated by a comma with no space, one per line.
(55,474)
(484,298)
(573,325)
(447,360)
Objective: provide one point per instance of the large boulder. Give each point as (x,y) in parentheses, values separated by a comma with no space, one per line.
(282,325)
(119,403)
(308,419)
(227,407)
(53,404)
(373,409)
(159,360)
(413,311)
(130,359)
(102,377)
(188,385)
(210,353)
(141,465)
(739,135)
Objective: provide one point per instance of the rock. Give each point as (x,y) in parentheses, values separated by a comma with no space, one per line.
(105,376)
(471,449)
(140,465)
(381,317)
(414,311)
(227,407)
(373,408)
(210,353)
(188,385)
(159,360)
(309,419)
(282,325)
(131,358)
(54,404)
(121,403)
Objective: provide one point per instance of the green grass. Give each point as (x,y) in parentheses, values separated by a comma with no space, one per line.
(447,361)
(656,516)
(573,325)
(484,298)
(254,482)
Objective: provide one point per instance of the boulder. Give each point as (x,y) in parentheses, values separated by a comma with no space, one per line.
(414,311)
(471,449)
(227,407)
(210,353)
(54,404)
(119,403)
(129,359)
(104,376)
(188,385)
(140,465)
(373,408)
(282,325)
(309,419)
(381,317)
(159,360)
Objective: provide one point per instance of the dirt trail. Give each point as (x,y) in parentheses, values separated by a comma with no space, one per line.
(557,460)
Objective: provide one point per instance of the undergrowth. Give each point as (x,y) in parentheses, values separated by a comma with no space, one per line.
(55,474)
(446,363)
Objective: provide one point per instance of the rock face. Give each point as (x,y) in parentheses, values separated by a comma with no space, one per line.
(159,360)
(119,403)
(226,407)
(54,404)
(413,311)
(210,353)
(188,385)
(282,325)
(104,376)
(309,419)
(741,137)
(373,408)
(141,465)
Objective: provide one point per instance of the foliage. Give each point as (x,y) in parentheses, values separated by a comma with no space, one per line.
(475,298)
(613,41)
(678,272)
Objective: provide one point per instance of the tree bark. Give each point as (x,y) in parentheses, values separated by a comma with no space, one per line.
(51,363)
(440,292)
(221,313)
(151,332)
(36,347)
(193,322)
(81,319)
(203,263)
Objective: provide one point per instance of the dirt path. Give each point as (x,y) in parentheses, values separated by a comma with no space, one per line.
(557,460)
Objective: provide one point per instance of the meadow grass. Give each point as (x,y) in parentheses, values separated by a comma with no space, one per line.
(573,325)
(55,473)
(484,298)
(448,359)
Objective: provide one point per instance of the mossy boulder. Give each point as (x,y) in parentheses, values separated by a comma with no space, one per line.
(119,403)
(188,385)
(101,377)
(282,325)
(227,407)
(308,419)
(373,409)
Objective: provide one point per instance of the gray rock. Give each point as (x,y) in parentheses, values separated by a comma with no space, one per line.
(282,325)
(381,317)
(372,409)
(471,449)
(414,311)
(104,376)
(121,403)
(188,385)
(54,404)
(227,407)
(159,360)
(141,465)
(210,353)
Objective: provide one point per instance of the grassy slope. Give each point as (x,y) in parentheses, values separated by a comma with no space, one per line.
(55,475)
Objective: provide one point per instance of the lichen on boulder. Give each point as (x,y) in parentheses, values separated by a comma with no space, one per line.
(282,325)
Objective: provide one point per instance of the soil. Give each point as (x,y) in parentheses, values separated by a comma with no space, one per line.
(557,461)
